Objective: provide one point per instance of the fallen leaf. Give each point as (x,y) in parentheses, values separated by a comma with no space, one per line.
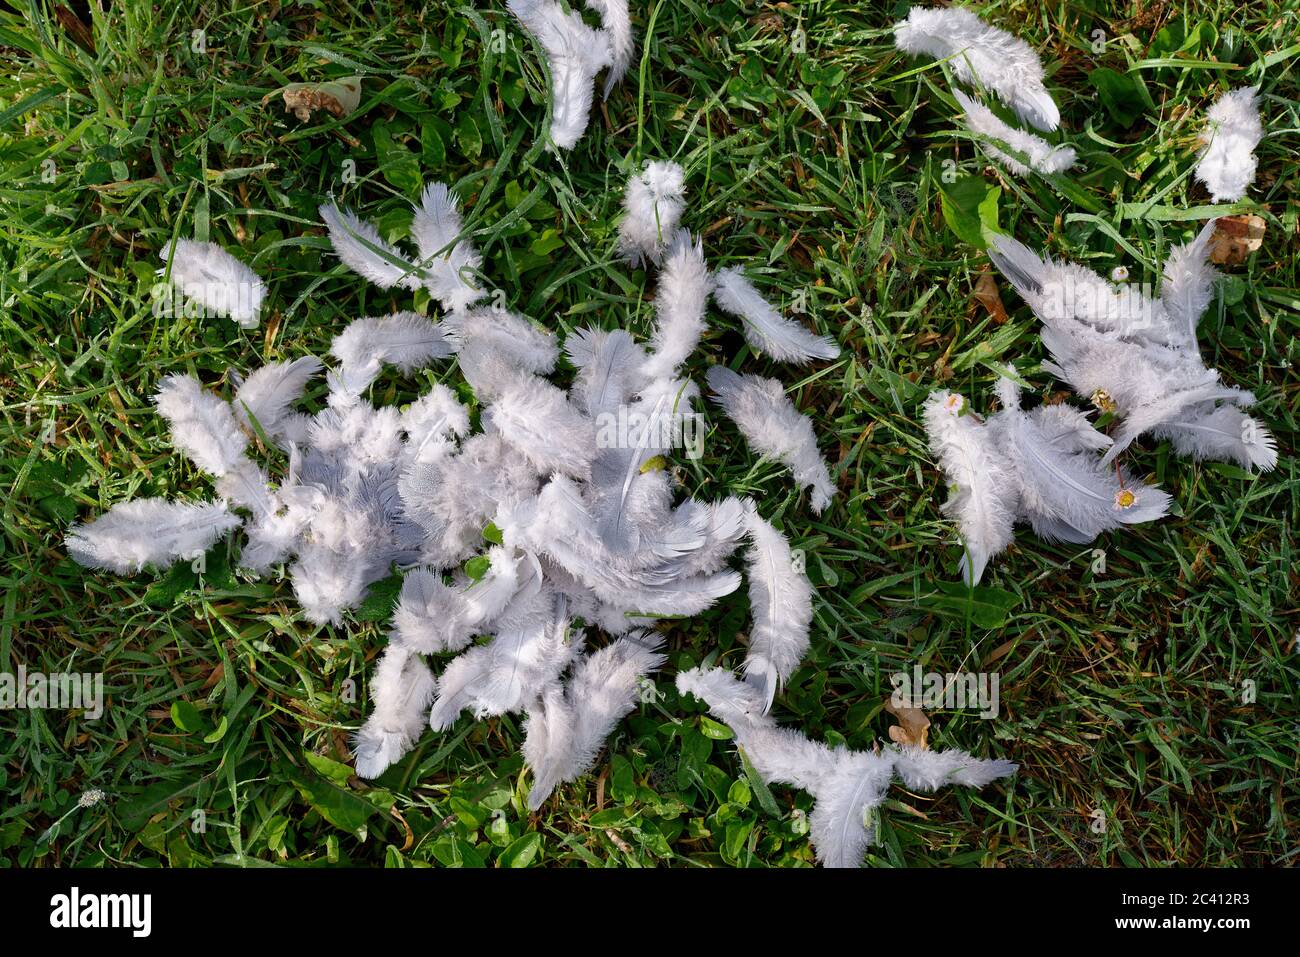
(986,294)
(913,726)
(77,31)
(338,97)
(1235,238)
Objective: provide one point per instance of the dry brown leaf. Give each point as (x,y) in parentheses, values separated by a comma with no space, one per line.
(77,31)
(1235,238)
(913,726)
(986,294)
(337,97)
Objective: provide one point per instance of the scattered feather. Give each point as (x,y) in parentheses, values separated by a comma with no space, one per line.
(684,286)
(780,598)
(981,55)
(1020,152)
(848,787)
(1227,162)
(575,53)
(360,247)
(653,203)
(149,532)
(774,427)
(450,263)
(207,274)
(766,329)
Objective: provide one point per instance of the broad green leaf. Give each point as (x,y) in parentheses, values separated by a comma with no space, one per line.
(397,164)
(329,769)
(186,717)
(970,206)
(1124,95)
(984,606)
(522,852)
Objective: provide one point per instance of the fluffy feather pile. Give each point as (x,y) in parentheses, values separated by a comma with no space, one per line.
(1039,467)
(1137,354)
(568,526)
(983,57)
(575,54)
(1132,354)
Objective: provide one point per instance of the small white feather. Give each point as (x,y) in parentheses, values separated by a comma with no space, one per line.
(450,263)
(149,532)
(401,689)
(268,394)
(575,53)
(774,427)
(780,598)
(680,301)
(1027,151)
(203,425)
(766,329)
(1233,129)
(652,203)
(981,55)
(359,246)
(210,276)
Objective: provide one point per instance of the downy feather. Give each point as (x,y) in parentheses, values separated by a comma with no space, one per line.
(680,302)
(1224,434)
(981,55)
(216,280)
(616,23)
(1020,152)
(149,532)
(652,207)
(450,263)
(359,246)
(1233,129)
(268,394)
(780,598)
(983,497)
(575,53)
(774,427)
(401,689)
(766,329)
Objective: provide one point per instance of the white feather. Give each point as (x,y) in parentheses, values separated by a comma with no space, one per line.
(848,786)
(149,531)
(1233,129)
(433,617)
(538,420)
(567,735)
(981,55)
(575,53)
(680,301)
(268,394)
(652,203)
(203,426)
(616,23)
(984,495)
(1223,433)
(1027,151)
(766,329)
(401,690)
(1188,284)
(780,598)
(450,263)
(210,276)
(406,340)
(775,428)
(359,246)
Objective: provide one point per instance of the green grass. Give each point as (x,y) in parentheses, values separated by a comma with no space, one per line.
(822,173)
